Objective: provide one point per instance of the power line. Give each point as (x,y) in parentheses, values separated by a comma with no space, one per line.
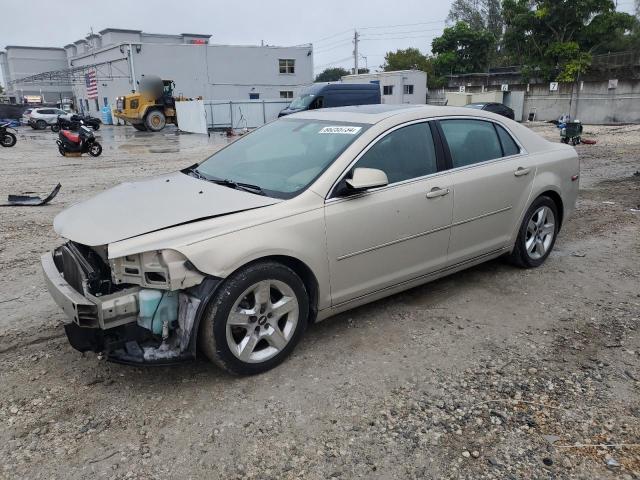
(402,25)
(405,32)
(396,38)
(331,36)
(324,50)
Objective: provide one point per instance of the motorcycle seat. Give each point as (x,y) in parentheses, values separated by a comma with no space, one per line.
(72,137)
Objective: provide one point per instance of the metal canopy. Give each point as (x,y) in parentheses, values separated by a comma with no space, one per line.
(105,72)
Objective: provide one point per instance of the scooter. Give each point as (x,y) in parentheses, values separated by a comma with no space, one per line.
(7,139)
(81,142)
(73,123)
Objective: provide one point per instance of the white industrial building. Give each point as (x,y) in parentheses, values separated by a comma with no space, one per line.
(397,87)
(120,57)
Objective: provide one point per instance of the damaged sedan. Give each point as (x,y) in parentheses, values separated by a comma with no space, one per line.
(306,217)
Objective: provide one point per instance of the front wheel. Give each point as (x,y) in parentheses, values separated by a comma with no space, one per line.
(55,128)
(8,140)
(255,319)
(41,125)
(95,149)
(155,120)
(537,234)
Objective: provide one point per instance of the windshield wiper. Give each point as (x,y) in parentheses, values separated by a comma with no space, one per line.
(247,187)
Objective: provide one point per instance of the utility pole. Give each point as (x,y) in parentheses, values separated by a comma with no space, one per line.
(356,39)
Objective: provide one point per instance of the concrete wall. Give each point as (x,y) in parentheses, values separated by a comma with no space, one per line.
(398,80)
(215,72)
(590,102)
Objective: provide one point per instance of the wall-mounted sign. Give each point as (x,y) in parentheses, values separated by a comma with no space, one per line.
(461,89)
(553,86)
(505,87)
(613,84)
(33,98)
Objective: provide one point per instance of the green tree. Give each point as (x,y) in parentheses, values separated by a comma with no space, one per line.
(462,49)
(331,74)
(478,14)
(412,59)
(555,40)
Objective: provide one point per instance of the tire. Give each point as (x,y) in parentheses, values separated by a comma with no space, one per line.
(8,140)
(96,126)
(55,128)
(139,126)
(61,150)
(252,344)
(95,150)
(155,120)
(41,125)
(537,234)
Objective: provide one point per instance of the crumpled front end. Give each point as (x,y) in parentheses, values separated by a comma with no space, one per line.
(141,309)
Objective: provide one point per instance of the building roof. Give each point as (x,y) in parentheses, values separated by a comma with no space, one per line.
(205,35)
(25,47)
(118,30)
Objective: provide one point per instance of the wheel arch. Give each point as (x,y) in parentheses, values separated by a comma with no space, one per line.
(300,268)
(557,199)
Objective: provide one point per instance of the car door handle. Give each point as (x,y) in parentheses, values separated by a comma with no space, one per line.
(437,192)
(521,171)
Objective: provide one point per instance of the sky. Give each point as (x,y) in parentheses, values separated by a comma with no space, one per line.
(384,25)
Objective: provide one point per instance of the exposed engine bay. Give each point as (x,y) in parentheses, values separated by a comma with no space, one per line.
(142,308)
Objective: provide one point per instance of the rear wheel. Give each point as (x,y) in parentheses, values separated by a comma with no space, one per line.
(95,149)
(155,120)
(537,234)
(8,140)
(61,150)
(96,126)
(55,127)
(41,125)
(255,319)
(139,126)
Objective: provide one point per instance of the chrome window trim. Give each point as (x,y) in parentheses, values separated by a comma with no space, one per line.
(330,199)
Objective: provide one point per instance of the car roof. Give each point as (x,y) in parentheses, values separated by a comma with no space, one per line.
(317,88)
(372,114)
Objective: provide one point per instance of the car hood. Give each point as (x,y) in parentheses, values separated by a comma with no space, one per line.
(136,208)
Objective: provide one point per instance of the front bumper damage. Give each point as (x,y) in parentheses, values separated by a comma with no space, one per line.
(108,323)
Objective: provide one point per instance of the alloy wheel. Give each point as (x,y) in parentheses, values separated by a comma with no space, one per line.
(540,232)
(262,321)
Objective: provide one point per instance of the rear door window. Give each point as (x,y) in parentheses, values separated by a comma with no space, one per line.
(509,146)
(471,141)
(403,154)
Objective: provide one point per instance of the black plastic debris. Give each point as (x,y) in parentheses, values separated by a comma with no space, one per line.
(31,201)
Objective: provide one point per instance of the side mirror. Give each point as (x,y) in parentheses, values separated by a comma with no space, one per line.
(365,178)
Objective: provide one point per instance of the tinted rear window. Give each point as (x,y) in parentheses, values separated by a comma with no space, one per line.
(509,146)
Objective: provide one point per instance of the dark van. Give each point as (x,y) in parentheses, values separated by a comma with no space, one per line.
(327,95)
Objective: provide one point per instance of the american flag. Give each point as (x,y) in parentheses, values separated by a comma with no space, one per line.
(91,84)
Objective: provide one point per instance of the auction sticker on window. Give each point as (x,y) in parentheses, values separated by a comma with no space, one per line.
(341,130)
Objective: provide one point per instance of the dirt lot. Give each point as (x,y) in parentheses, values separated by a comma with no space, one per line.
(494,372)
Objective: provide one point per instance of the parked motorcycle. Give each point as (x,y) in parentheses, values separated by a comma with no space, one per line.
(82,142)
(73,123)
(7,139)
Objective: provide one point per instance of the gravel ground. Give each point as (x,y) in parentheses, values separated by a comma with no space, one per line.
(494,372)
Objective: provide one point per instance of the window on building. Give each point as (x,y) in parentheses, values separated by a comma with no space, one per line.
(387,90)
(287,65)
(286,94)
(254,96)
(408,89)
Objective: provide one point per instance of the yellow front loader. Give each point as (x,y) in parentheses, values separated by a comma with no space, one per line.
(152,107)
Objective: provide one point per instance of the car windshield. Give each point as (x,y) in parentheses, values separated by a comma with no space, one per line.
(282,158)
(302,101)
